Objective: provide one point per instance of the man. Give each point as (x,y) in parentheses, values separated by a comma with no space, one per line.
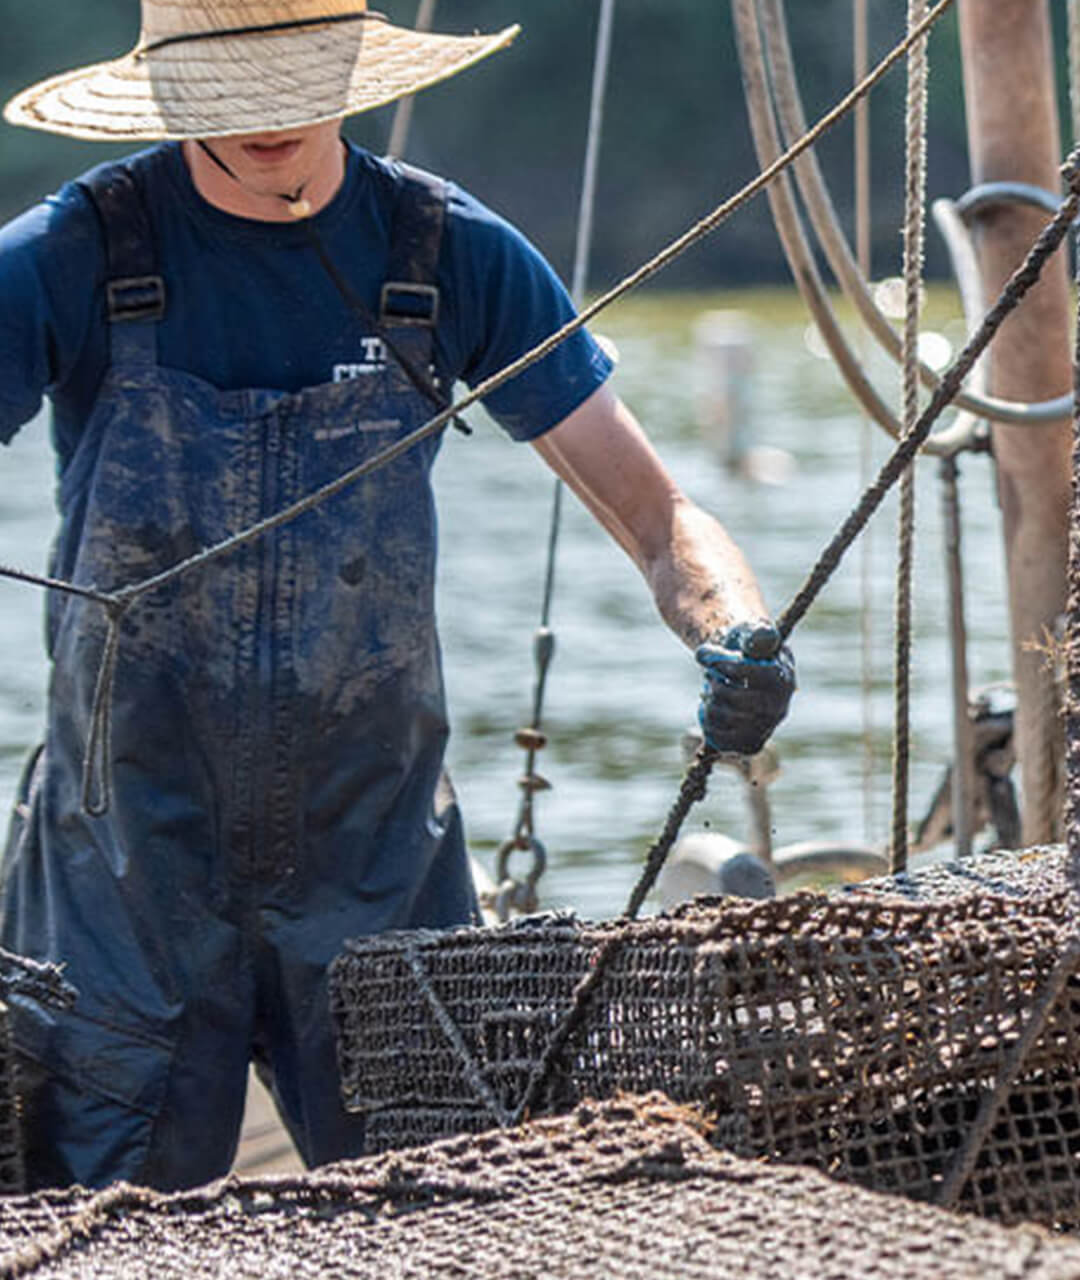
(223,324)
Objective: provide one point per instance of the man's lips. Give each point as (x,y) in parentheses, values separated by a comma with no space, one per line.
(271,153)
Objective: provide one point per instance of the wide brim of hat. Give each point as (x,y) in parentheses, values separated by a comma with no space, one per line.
(248,83)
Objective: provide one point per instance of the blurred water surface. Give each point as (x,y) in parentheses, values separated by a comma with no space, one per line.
(621,690)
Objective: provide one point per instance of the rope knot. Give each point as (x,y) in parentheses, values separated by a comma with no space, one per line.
(116,606)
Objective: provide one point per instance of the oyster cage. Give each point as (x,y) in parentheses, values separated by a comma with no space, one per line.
(42,983)
(857,1032)
(12,1171)
(627,1188)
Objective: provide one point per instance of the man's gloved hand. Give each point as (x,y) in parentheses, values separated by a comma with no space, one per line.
(749,680)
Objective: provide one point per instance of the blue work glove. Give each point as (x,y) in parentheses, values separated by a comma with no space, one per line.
(749,680)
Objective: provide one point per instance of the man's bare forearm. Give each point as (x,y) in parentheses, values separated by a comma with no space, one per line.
(700,580)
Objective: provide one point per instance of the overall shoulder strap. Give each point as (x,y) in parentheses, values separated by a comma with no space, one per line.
(134,290)
(410,294)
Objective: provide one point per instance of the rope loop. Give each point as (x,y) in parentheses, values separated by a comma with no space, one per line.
(97,764)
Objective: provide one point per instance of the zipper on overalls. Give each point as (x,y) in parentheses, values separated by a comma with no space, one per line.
(264,711)
(268,503)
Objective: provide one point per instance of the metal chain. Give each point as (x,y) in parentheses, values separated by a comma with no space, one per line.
(512,894)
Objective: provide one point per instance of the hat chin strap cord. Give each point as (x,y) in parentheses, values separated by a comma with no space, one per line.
(299,207)
(295,203)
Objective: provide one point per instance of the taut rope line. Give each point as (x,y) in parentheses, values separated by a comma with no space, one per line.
(673,250)
(914,218)
(695,780)
(1016,287)
(1018,284)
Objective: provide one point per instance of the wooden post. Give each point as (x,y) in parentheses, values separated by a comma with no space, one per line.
(1013,136)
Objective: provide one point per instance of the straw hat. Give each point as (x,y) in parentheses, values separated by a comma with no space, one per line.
(207,68)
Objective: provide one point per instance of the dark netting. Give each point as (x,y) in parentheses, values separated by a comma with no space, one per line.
(42,983)
(855,1032)
(12,1173)
(627,1189)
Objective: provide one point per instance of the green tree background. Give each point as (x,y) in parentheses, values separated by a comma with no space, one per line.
(676,138)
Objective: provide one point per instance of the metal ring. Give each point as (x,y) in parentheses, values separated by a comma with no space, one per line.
(524,895)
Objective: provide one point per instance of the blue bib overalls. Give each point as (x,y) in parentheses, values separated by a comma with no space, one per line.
(277,733)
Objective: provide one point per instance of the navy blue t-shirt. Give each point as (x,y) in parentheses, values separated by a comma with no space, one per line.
(249,304)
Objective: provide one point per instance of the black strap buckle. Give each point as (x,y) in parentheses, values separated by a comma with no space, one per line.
(402,302)
(135,298)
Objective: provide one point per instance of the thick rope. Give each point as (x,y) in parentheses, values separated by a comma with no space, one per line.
(780,72)
(104,598)
(691,790)
(571,1020)
(1012,294)
(749,34)
(695,781)
(914,221)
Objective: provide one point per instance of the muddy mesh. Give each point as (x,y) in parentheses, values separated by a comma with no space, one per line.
(856,1033)
(44,984)
(626,1189)
(12,1172)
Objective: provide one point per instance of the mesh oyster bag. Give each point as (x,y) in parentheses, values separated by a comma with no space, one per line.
(20,978)
(629,1189)
(855,1032)
(12,1171)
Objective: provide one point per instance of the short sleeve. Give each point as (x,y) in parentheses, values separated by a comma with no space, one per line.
(505,299)
(51,262)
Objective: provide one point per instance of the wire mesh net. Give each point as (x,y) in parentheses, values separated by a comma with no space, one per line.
(628,1188)
(20,978)
(853,1032)
(12,1172)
